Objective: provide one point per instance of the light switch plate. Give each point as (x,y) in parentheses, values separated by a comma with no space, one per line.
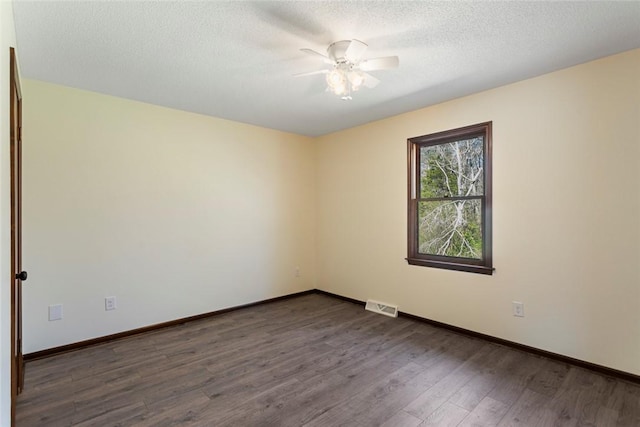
(110,303)
(55,312)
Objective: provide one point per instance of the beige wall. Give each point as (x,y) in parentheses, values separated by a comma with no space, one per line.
(7,39)
(173,213)
(566,227)
(178,214)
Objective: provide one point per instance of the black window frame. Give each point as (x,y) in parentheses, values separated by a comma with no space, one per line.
(482,266)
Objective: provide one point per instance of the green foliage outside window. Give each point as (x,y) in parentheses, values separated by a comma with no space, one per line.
(451,227)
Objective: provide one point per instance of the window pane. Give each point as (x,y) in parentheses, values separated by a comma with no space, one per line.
(450,228)
(452,169)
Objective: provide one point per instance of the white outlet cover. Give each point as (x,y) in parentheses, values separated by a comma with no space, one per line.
(518,309)
(55,312)
(110,303)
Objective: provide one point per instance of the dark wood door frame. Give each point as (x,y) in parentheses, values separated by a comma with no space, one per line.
(17,276)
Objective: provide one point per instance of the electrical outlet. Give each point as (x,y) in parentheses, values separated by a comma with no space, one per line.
(297,271)
(518,308)
(110,303)
(55,312)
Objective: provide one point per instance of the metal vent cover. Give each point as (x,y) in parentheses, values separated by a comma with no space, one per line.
(382,308)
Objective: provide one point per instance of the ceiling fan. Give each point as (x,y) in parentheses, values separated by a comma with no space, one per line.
(348,71)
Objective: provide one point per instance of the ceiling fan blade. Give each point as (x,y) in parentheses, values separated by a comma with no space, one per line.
(311,73)
(370,81)
(314,53)
(384,63)
(355,50)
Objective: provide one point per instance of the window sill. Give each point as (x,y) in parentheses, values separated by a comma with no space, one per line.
(469,268)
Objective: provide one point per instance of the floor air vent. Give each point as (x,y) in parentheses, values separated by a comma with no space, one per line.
(382,308)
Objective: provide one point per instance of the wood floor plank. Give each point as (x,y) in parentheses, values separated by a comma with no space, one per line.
(447,415)
(57,413)
(526,410)
(437,395)
(549,378)
(487,413)
(115,416)
(515,377)
(176,409)
(402,419)
(265,408)
(315,361)
(604,417)
(308,402)
(629,412)
(577,399)
(473,392)
(377,402)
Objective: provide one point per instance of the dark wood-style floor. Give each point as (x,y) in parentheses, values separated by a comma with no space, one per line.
(316,361)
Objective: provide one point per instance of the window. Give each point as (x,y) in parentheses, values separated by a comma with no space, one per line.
(449,221)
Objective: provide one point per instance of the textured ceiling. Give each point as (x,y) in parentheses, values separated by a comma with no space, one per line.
(235,59)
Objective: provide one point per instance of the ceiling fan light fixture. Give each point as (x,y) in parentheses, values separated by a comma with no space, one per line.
(344,79)
(335,79)
(338,83)
(349,72)
(356,78)
(339,90)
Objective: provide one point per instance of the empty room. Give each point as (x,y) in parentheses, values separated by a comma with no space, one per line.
(319,213)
